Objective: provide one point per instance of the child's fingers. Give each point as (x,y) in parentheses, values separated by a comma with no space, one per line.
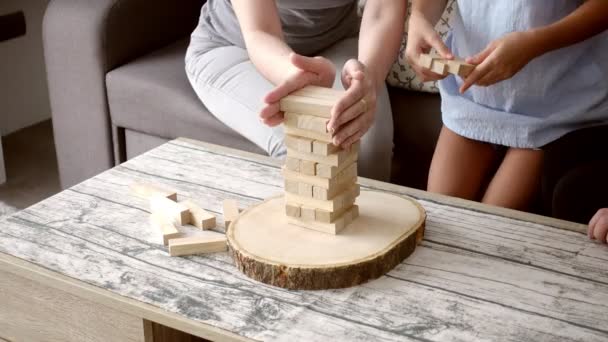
(438,44)
(477,74)
(480,57)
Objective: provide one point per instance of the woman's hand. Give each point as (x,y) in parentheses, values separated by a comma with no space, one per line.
(598,226)
(317,71)
(421,37)
(354,113)
(501,59)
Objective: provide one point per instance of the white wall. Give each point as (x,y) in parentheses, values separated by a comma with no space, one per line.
(24,98)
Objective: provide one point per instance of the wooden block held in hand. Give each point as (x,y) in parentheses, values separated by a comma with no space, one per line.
(199,217)
(439,67)
(425,60)
(459,67)
(170,209)
(165,226)
(317,92)
(148,190)
(200,244)
(231,211)
(307,106)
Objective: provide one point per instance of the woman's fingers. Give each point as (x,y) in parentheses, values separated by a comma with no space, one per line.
(352,95)
(601,229)
(348,143)
(481,57)
(274,120)
(358,108)
(594,220)
(270,109)
(350,129)
(478,73)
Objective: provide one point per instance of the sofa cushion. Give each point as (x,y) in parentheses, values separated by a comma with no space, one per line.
(152,95)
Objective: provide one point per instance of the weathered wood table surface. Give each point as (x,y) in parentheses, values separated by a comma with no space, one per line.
(86,261)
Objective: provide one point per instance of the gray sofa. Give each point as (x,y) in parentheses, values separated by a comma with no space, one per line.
(118,88)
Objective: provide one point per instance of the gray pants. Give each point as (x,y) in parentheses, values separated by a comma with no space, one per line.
(232,89)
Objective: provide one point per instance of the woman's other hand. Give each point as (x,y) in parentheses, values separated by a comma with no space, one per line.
(598,226)
(354,113)
(421,38)
(317,71)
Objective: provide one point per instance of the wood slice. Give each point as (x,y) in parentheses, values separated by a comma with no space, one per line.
(268,249)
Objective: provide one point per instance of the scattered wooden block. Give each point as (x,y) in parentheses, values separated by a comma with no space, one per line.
(148,190)
(199,217)
(170,209)
(293,130)
(230,211)
(308,167)
(307,106)
(292,210)
(200,244)
(324,148)
(292,164)
(165,226)
(305,189)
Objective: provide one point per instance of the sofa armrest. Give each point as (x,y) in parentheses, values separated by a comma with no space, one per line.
(83,40)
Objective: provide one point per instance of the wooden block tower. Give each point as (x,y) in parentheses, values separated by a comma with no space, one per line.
(320,178)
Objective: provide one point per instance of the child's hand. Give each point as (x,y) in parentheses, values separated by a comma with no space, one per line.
(598,226)
(354,113)
(421,37)
(317,71)
(501,60)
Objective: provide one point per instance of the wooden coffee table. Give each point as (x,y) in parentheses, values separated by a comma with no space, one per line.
(84,266)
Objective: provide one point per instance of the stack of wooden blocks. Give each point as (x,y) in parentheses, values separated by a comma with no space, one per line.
(443,66)
(320,178)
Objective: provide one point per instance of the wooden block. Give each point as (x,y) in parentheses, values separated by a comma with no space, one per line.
(291,141)
(307,213)
(165,226)
(293,130)
(292,164)
(307,106)
(299,144)
(320,193)
(292,186)
(348,173)
(305,189)
(329,228)
(308,168)
(310,123)
(326,171)
(314,180)
(316,92)
(230,211)
(292,210)
(148,190)
(199,217)
(439,67)
(334,204)
(323,148)
(329,193)
(338,159)
(459,67)
(425,60)
(331,216)
(354,212)
(200,244)
(170,209)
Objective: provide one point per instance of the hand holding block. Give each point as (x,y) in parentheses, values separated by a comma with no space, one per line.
(208,243)
(307,106)
(148,190)
(230,211)
(171,210)
(199,217)
(166,228)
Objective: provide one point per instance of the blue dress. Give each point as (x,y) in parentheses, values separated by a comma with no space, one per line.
(559,92)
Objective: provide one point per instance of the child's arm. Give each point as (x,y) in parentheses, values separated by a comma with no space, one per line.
(598,226)
(422,36)
(503,58)
(379,40)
